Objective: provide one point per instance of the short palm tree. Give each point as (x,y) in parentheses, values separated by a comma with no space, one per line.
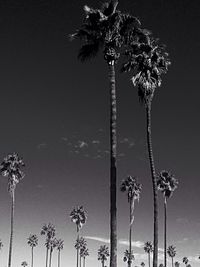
(84,252)
(171,251)
(142,264)
(52,243)
(103,254)
(32,242)
(177,264)
(78,216)
(11,168)
(49,231)
(80,244)
(24,264)
(128,256)
(110,30)
(148,248)
(133,189)
(167,184)
(59,246)
(1,244)
(185,260)
(148,61)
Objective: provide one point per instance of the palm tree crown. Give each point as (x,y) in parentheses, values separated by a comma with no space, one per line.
(1,244)
(48,230)
(10,167)
(59,244)
(80,243)
(132,188)
(24,264)
(171,251)
(167,183)
(128,256)
(78,216)
(103,253)
(185,260)
(33,241)
(148,247)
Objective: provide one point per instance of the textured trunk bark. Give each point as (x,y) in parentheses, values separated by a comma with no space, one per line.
(113,167)
(155,191)
(11,226)
(165,231)
(32,257)
(130,232)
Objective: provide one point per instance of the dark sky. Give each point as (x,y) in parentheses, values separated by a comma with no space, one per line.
(55,113)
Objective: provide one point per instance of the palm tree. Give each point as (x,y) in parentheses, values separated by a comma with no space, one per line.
(49,231)
(148,62)
(142,264)
(52,243)
(177,264)
(24,264)
(185,260)
(80,245)
(103,254)
(59,246)
(32,242)
(1,244)
(84,252)
(166,183)
(133,190)
(10,167)
(148,248)
(78,216)
(108,29)
(128,256)
(171,251)
(161,265)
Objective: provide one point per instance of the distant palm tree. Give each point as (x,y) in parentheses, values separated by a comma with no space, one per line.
(161,265)
(52,243)
(167,184)
(11,168)
(148,248)
(24,264)
(1,244)
(80,244)
(84,252)
(148,62)
(142,264)
(171,251)
(177,264)
(32,242)
(79,217)
(128,256)
(185,260)
(59,246)
(49,231)
(103,254)
(133,189)
(109,30)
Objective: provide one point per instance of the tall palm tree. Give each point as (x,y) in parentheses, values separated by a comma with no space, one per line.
(108,29)
(133,189)
(11,168)
(59,246)
(84,252)
(148,62)
(80,244)
(103,254)
(148,248)
(171,251)
(167,184)
(52,243)
(128,256)
(24,264)
(78,216)
(32,242)
(49,231)
(185,260)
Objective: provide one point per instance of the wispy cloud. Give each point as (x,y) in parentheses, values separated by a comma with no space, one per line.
(42,145)
(99,239)
(137,244)
(82,144)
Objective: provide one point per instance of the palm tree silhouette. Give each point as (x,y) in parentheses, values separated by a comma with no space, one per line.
(49,231)
(142,264)
(32,242)
(128,256)
(185,260)
(177,264)
(24,264)
(133,190)
(10,167)
(1,244)
(108,29)
(79,245)
(78,216)
(148,62)
(148,248)
(84,252)
(166,183)
(52,243)
(59,246)
(103,254)
(171,251)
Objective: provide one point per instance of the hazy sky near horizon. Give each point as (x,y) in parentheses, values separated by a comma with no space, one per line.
(55,114)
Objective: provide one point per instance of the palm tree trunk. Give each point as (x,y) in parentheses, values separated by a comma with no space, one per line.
(155,191)
(80,260)
(172,262)
(102,263)
(77,250)
(131,207)
(32,257)
(50,256)
(83,261)
(58,258)
(149,258)
(113,167)
(47,254)
(11,226)
(165,231)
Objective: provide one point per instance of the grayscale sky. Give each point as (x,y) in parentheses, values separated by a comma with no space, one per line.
(55,114)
